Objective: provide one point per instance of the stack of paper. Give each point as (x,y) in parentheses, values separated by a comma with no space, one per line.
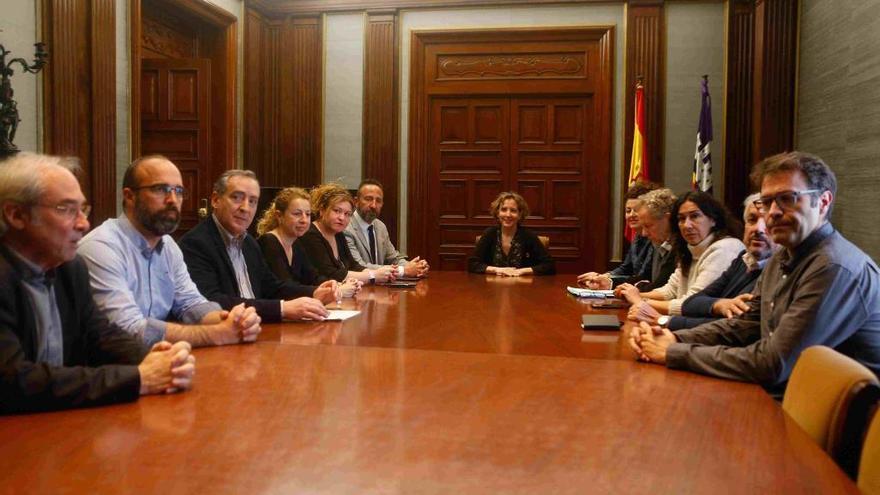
(595,294)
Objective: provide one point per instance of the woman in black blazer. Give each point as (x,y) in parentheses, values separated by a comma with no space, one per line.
(509,249)
(324,242)
(283,222)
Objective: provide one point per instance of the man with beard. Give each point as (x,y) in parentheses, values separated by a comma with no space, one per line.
(820,289)
(368,238)
(56,351)
(727,296)
(137,272)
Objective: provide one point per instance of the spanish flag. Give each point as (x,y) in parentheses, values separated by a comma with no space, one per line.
(638,164)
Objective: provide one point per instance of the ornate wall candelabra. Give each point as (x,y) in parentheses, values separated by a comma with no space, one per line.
(8,110)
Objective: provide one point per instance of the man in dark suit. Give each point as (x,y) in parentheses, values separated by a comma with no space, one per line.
(56,351)
(228,267)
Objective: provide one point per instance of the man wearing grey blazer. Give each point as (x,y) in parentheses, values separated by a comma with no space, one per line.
(368,238)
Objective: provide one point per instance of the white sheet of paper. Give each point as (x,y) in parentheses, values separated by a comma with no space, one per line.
(341,314)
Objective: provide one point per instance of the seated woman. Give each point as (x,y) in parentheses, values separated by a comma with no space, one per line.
(509,249)
(705,241)
(636,265)
(324,242)
(283,222)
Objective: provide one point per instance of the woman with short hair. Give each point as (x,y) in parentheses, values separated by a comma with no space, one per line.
(508,248)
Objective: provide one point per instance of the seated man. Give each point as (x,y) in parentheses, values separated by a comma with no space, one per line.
(368,238)
(137,272)
(819,290)
(727,296)
(636,265)
(56,350)
(654,211)
(226,263)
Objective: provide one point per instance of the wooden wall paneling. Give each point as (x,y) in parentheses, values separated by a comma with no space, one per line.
(66,23)
(301,73)
(418,173)
(272,104)
(776,26)
(135,23)
(219,45)
(381,119)
(303,7)
(103,113)
(167,36)
(645,57)
(79,92)
(254,84)
(738,103)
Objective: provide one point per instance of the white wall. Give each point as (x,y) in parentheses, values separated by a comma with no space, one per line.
(694,46)
(343,98)
(575,15)
(18,33)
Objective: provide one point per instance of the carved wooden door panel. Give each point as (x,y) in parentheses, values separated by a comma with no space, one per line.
(552,152)
(175,122)
(527,110)
(538,147)
(469,163)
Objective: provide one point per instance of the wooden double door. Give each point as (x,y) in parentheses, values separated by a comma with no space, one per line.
(524,110)
(538,147)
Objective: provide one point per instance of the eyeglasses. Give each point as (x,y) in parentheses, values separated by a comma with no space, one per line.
(163,190)
(70,211)
(785,200)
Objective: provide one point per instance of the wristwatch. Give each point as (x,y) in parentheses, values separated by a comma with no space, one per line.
(372,277)
(663,321)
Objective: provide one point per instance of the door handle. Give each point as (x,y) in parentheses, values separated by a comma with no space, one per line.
(203,211)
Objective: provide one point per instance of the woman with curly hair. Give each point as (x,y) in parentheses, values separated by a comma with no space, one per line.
(324,242)
(706,238)
(283,222)
(508,248)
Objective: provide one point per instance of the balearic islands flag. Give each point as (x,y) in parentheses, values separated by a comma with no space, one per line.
(638,165)
(702,176)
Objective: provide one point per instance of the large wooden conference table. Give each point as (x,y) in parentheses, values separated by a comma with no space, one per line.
(465,384)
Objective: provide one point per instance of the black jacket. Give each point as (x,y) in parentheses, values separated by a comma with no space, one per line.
(697,309)
(535,255)
(321,254)
(100,359)
(211,270)
(301,270)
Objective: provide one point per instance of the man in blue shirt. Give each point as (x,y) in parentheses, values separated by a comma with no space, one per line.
(137,272)
(56,351)
(820,289)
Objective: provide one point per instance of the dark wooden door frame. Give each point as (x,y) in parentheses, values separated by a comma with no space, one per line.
(225,24)
(418,163)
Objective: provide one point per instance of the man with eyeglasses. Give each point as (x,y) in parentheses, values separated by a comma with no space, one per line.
(727,296)
(138,276)
(56,350)
(228,267)
(820,289)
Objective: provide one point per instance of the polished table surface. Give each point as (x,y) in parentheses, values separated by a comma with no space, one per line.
(496,392)
(461,312)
